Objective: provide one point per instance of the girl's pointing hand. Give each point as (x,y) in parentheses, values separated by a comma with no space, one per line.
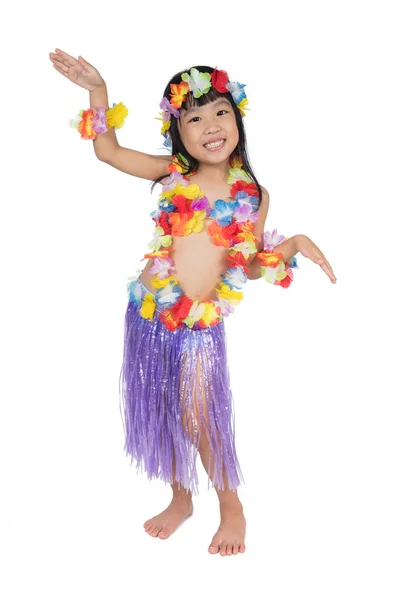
(78,71)
(308,249)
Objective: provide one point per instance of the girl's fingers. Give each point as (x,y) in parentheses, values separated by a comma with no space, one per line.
(60,63)
(69,60)
(329,266)
(325,266)
(61,67)
(325,260)
(58,68)
(63,54)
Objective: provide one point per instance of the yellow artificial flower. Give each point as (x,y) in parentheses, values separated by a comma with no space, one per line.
(236,173)
(210,315)
(242,106)
(191,191)
(271,274)
(165,124)
(244,243)
(197,222)
(116,115)
(230,296)
(148,307)
(160,283)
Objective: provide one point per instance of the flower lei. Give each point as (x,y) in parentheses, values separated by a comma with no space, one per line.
(182,209)
(198,83)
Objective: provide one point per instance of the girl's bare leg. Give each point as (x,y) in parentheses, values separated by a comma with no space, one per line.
(180,508)
(229,538)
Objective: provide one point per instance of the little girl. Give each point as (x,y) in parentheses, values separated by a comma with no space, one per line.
(208,240)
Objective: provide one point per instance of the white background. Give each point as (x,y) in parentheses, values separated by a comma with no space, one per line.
(314,368)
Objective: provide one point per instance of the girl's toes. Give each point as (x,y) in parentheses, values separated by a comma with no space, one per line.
(229,549)
(242,548)
(235,548)
(213,548)
(164,533)
(154,531)
(223,549)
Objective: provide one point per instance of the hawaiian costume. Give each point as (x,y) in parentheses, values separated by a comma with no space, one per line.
(174,382)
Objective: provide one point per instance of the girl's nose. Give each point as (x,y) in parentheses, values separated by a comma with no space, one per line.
(213,127)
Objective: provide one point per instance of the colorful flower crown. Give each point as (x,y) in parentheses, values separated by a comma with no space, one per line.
(199,84)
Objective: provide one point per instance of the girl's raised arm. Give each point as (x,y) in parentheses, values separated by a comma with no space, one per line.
(106,147)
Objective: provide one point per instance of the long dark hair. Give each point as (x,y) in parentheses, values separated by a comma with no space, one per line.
(177,145)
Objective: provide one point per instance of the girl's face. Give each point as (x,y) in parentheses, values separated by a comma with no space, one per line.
(209,124)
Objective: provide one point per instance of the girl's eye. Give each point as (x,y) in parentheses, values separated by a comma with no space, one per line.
(222,110)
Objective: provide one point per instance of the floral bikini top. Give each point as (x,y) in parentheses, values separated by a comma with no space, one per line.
(182,210)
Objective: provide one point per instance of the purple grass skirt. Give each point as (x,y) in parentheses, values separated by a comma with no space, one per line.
(174,389)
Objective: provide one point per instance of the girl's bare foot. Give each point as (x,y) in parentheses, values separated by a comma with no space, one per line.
(171,518)
(230,535)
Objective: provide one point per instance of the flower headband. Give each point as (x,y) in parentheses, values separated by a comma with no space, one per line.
(199,84)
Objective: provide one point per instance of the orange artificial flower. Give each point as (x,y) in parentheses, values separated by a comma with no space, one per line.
(178,94)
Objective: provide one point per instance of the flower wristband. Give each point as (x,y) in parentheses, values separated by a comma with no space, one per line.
(273,269)
(92,122)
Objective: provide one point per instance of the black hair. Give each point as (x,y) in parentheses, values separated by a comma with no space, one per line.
(177,145)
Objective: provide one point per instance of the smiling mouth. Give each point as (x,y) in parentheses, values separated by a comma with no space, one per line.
(215,145)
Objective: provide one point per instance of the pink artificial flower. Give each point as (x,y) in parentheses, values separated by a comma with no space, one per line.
(161,266)
(272,239)
(174,178)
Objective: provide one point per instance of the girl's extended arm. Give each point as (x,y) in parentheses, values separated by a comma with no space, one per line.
(108,150)
(106,147)
(288,248)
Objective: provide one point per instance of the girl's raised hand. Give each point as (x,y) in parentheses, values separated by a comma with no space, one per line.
(78,71)
(308,249)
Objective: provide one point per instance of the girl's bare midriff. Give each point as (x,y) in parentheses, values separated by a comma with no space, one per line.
(198,262)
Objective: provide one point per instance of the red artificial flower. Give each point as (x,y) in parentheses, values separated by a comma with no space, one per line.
(178,222)
(219,79)
(243,230)
(173,317)
(238,260)
(221,235)
(182,203)
(181,308)
(288,279)
(169,322)
(162,221)
(241,185)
